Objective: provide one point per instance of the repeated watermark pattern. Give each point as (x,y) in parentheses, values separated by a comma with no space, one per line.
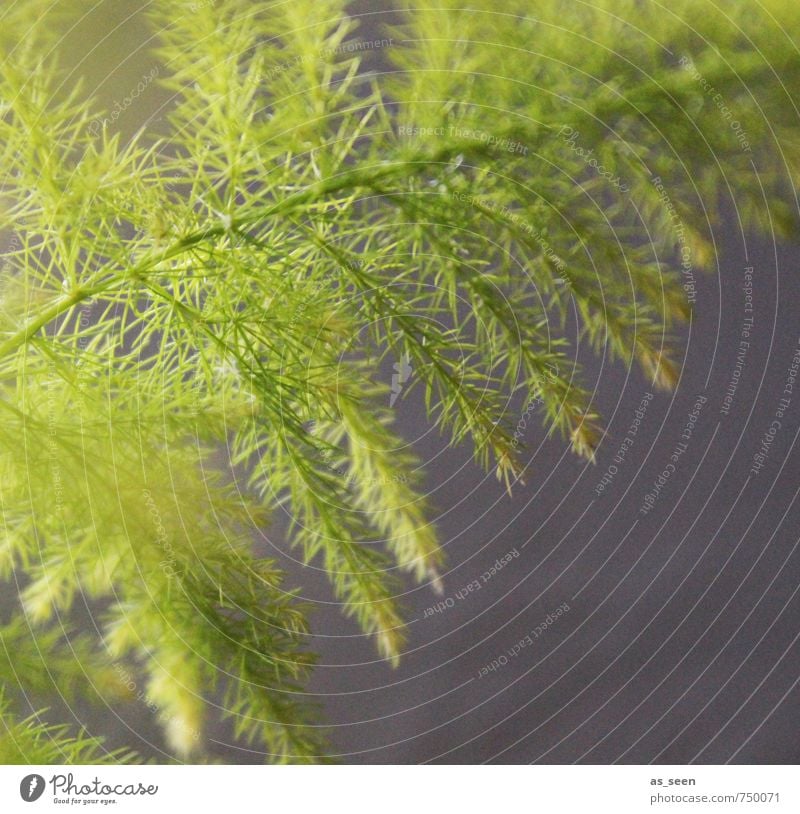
(570,137)
(526,641)
(530,408)
(13,246)
(627,442)
(162,538)
(350,47)
(719,101)
(520,222)
(174,722)
(676,455)
(687,266)
(454,131)
(784,403)
(472,587)
(402,373)
(746,328)
(121,106)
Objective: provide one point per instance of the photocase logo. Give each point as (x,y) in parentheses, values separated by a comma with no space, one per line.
(31,787)
(401,375)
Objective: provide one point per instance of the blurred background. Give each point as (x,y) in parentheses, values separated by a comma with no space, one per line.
(679,641)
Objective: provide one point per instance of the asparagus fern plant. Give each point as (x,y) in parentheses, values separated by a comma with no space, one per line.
(180,307)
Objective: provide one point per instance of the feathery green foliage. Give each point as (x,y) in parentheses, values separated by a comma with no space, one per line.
(198,301)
